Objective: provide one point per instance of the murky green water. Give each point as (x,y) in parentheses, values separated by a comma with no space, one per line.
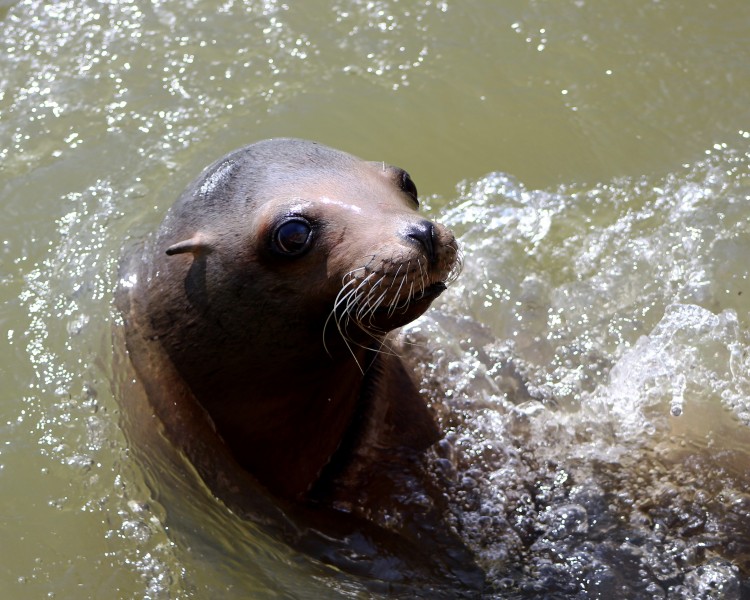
(593,157)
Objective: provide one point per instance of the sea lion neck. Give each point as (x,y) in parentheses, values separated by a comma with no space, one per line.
(286,431)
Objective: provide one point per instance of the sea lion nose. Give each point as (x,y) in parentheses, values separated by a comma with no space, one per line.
(423,233)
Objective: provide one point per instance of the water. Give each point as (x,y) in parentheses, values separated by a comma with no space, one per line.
(599,437)
(593,158)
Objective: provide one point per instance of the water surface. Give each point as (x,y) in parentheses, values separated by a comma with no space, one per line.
(593,158)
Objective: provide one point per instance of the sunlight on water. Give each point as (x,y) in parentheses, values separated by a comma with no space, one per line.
(77,433)
(599,412)
(591,367)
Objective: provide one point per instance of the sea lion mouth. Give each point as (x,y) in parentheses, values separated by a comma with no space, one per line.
(405,311)
(431,291)
(376,302)
(428,294)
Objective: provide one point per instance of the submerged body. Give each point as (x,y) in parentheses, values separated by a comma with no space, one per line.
(257,319)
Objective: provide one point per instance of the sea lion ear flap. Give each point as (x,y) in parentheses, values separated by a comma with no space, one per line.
(198,245)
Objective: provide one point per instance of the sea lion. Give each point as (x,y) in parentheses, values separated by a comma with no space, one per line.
(258,316)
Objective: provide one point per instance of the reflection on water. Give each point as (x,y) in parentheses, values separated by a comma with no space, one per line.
(594,353)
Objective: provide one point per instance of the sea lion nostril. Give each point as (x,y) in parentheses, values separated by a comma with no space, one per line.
(423,233)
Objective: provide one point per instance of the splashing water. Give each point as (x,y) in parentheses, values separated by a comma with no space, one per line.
(594,393)
(593,356)
(598,435)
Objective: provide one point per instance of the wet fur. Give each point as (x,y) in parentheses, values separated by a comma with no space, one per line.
(276,371)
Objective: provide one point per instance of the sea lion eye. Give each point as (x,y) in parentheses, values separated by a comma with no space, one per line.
(408,186)
(292,237)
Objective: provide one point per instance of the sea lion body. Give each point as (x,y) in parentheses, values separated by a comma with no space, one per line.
(261,308)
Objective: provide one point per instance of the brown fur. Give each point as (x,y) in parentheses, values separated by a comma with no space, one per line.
(254,359)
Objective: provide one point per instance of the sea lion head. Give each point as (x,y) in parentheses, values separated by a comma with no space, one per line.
(296,244)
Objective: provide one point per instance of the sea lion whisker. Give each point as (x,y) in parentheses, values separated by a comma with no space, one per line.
(407,297)
(374,306)
(393,279)
(378,336)
(354,356)
(349,297)
(344,318)
(397,295)
(413,344)
(357,295)
(368,302)
(371,313)
(350,276)
(378,348)
(350,313)
(333,314)
(356,302)
(366,309)
(410,296)
(423,277)
(344,290)
(382,343)
(343,327)
(342,330)
(389,350)
(344,293)
(458,263)
(363,282)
